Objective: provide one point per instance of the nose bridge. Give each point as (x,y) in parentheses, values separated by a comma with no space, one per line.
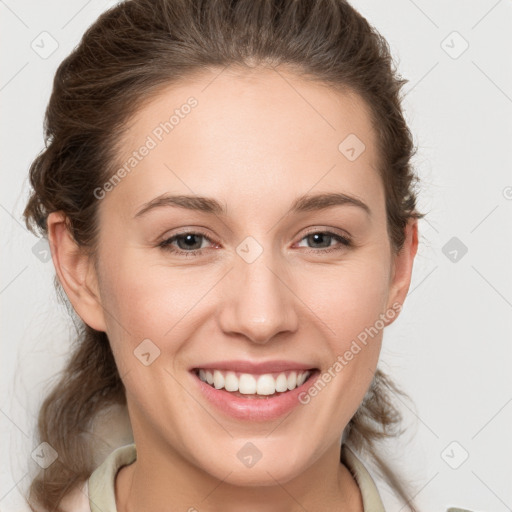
(258,304)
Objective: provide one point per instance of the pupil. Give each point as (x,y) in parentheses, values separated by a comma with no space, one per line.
(188,239)
(318,235)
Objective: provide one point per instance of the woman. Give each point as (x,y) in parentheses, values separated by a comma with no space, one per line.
(197,151)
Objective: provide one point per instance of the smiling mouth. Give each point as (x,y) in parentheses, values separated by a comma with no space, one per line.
(248,385)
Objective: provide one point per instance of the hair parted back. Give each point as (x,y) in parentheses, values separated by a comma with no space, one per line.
(126,57)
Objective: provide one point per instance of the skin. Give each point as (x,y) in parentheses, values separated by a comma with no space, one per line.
(255,142)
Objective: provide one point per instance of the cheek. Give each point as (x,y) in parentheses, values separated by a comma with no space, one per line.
(348,305)
(348,299)
(150,301)
(133,302)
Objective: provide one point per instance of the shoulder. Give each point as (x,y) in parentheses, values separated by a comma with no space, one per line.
(77,500)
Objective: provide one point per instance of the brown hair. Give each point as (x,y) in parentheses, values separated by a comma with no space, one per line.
(133,50)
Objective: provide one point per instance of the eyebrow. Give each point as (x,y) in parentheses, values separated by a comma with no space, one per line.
(304,203)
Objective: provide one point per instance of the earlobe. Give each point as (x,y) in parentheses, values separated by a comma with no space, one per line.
(402,267)
(75,272)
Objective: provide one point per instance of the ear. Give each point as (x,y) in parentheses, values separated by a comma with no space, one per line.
(75,271)
(402,269)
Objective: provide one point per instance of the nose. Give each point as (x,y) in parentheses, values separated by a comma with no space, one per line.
(258,303)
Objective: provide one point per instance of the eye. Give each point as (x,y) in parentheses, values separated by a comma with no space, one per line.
(325,238)
(186,240)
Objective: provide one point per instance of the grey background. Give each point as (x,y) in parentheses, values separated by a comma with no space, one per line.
(450,349)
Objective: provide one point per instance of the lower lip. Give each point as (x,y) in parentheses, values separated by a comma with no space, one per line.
(254,409)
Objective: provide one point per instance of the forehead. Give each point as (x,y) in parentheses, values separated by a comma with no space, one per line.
(244,133)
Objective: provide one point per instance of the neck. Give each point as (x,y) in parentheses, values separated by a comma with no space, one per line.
(162,477)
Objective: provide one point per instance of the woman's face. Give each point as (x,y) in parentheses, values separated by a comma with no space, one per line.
(264,283)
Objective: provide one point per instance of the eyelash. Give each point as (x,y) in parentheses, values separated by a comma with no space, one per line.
(166,244)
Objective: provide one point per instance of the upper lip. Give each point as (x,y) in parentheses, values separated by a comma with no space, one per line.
(255,367)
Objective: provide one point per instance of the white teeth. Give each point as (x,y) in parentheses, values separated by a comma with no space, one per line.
(266,385)
(249,384)
(292,381)
(281,383)
(218,379)
(231,382)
